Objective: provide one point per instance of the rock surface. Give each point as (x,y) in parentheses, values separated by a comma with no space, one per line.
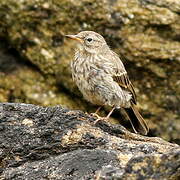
(57,143)
(146,32)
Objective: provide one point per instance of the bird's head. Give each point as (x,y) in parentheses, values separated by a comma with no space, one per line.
(89,42)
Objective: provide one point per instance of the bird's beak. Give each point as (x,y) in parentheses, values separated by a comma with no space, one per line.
(74,37)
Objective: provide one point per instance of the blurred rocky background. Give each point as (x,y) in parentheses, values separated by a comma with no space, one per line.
(35,56)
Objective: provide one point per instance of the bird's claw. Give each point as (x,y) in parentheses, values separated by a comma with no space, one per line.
(95,115)
(100,119)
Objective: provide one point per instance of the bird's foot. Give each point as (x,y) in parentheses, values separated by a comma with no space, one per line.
(95,115)
(100,119)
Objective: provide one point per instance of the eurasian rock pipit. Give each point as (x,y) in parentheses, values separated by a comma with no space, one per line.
(102,79)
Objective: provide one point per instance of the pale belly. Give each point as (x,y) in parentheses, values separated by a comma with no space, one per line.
(89,91)
(103,93)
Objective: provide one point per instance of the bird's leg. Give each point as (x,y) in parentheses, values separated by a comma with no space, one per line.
(105,118)
(95,114)
(98,109)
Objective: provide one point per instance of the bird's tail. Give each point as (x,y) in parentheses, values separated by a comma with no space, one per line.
(139,125)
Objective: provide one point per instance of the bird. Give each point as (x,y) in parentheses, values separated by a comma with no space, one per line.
(102,78)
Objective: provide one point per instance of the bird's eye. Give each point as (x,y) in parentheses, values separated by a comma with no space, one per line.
(89,39)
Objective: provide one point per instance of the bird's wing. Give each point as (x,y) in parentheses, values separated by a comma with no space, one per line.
(123,80)
(120,75)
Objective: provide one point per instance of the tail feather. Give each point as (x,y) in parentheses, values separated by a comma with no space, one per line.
(139,125)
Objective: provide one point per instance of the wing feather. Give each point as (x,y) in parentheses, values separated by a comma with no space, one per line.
(123,81)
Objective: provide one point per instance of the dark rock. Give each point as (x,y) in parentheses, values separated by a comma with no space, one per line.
(56,143)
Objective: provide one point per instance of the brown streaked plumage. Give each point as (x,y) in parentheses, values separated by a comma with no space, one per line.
(101,77)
